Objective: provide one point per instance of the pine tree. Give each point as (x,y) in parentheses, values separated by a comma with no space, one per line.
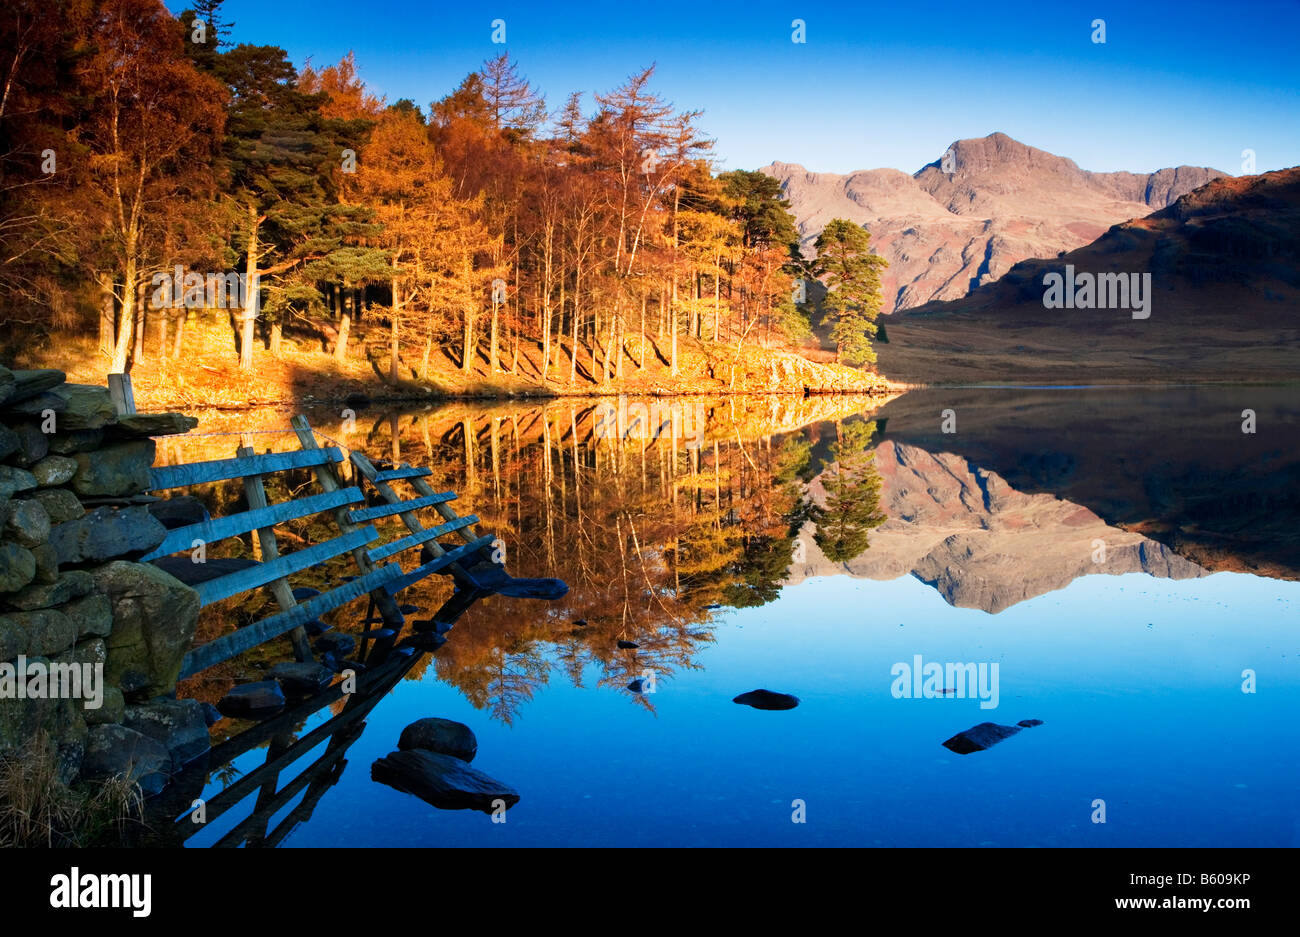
(853,298)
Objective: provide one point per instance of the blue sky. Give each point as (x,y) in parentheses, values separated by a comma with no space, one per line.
(874,85)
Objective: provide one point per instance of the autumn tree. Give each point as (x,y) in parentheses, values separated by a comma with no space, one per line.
(152,132)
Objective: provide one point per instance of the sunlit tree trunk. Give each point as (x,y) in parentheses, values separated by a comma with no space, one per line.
(250,293)
(106,308)
(394,351)
(345,326)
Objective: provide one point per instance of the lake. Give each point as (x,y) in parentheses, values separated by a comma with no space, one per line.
(1119,563)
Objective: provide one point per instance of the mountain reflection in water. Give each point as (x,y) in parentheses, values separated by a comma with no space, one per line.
(655,535)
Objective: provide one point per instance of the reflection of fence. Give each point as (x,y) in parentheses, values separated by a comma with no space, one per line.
(172,816)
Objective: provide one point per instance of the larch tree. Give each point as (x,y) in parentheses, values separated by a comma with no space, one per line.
(155,117)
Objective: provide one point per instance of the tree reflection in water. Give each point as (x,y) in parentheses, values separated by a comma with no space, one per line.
(651,532)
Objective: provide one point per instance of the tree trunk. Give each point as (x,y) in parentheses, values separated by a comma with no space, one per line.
(394,351)
(250,294)
(641,364)
(467,352)
(672,325)
(492,343)
(162,333)
(180,331)
(127,321)
(106,315)
(345,326)
(277,332)
(137,351)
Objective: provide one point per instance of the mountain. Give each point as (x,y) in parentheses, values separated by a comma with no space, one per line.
(980,542)
(1224,270)
(946,232)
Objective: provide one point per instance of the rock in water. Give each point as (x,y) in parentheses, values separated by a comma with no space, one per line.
(980,737)
(1029,723)
(304,678)
(442,781)
(442,736)
(178,724)
(766,699)
(253,700)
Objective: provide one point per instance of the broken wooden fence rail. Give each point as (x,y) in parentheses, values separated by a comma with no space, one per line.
(220,580)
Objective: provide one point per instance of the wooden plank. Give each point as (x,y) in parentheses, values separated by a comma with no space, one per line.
(405,471)
(442,562)
(401,507)
(219,528)
(467,534)
(121,393)
(412,522)
(326,478)
(216,589)
(196,473)
(414,540)
(227,646)
(255,493)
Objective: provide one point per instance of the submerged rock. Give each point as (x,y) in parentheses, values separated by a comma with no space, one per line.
(442,736)
(985,735)
(767,699)
(253,700)
(442,781)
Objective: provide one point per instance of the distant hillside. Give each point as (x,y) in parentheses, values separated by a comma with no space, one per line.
(945,233)
(1225,269)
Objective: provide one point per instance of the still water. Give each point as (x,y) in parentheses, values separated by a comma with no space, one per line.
(1127,558)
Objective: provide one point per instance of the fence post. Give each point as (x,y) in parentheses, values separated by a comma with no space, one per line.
(119,389)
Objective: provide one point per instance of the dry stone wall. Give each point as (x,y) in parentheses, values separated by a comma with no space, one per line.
(74,518)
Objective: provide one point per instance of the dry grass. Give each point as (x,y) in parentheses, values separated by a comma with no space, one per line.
(207,374)
(39,810)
